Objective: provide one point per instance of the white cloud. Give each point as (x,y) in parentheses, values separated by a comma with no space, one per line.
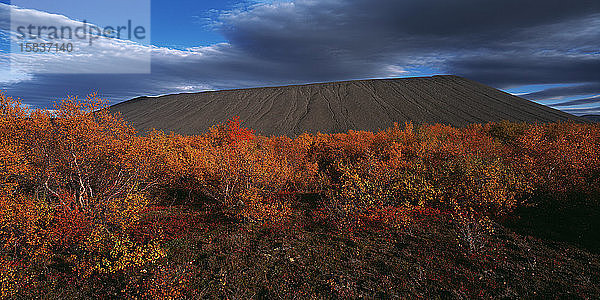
(91,55)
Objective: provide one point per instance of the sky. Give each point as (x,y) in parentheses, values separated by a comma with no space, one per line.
(547,51)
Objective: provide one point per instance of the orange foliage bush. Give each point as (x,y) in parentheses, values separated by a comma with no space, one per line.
(72,184)
(75,182)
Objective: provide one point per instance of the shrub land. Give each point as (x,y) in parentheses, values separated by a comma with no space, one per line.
(91,208)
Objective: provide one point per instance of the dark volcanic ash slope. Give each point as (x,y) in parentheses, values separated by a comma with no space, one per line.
(337,107)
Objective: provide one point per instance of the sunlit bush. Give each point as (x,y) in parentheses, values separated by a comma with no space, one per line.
(71,190)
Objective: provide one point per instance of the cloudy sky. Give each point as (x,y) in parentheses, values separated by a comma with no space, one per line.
(544,50)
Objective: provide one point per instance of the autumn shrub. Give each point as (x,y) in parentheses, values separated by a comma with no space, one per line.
(507,132)
(434,166)
(562,158)
(72,187)
(78,186)
(230,165)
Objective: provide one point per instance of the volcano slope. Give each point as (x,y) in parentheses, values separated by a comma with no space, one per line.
(369,105)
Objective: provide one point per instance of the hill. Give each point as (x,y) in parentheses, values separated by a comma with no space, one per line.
(338,107)
(592,118)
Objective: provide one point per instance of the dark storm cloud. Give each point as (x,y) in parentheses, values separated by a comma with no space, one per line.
(457,36)
(392,25)
(502,43)
(528,68)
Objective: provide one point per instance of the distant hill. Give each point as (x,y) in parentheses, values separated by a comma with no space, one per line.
(338,106)
(592,118)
